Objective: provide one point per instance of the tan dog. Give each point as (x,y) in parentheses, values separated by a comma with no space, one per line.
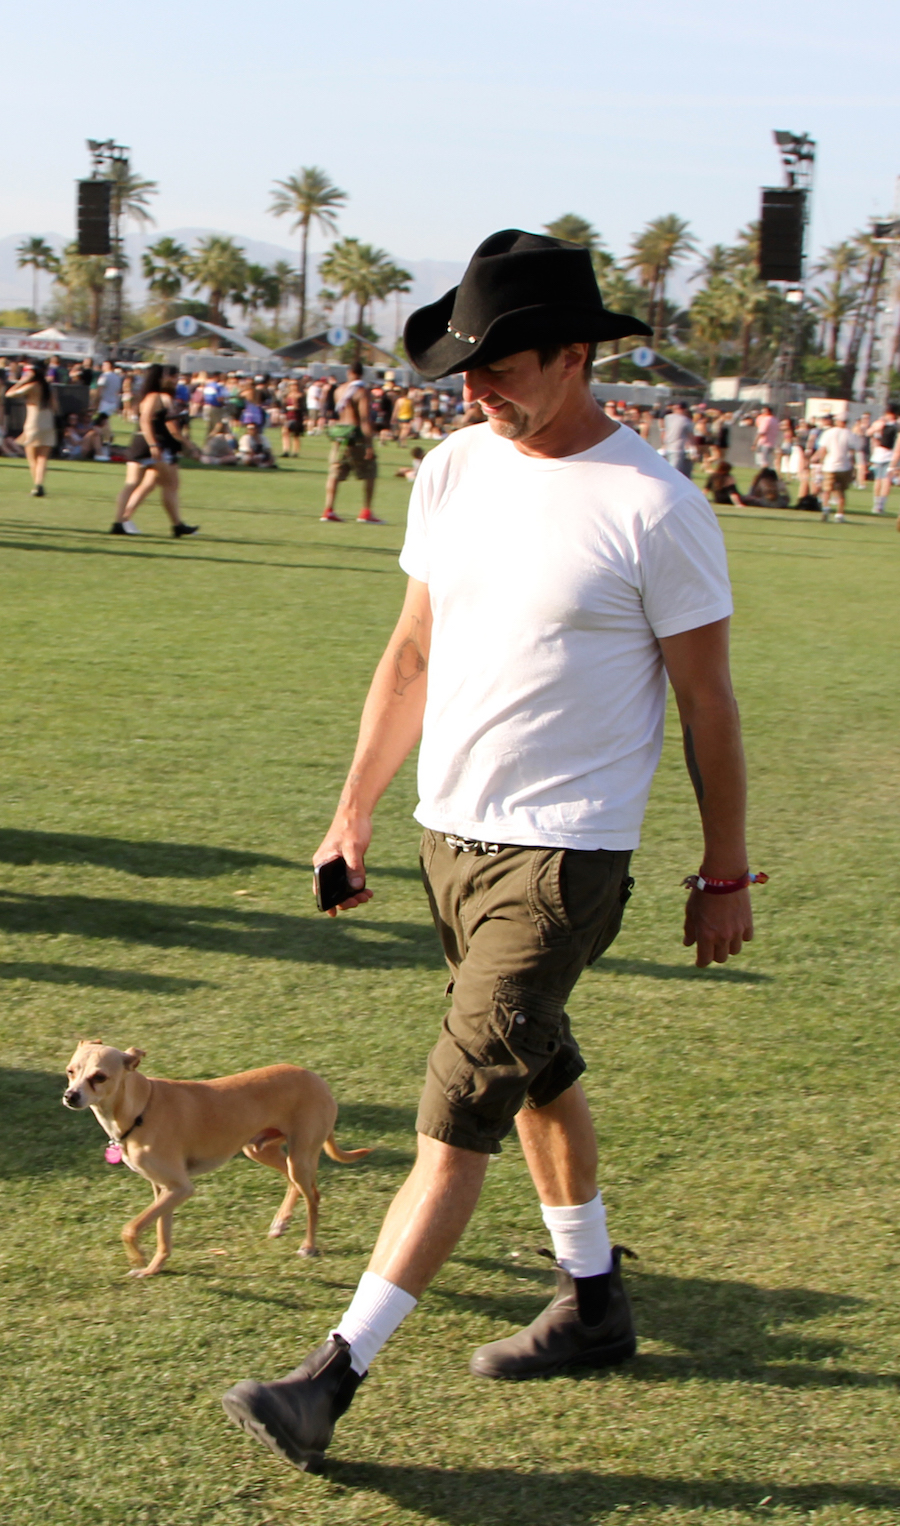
(171,1131)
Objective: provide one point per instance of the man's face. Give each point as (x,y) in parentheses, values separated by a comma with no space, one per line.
(516,396)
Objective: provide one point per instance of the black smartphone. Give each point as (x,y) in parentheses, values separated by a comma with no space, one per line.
(332,885)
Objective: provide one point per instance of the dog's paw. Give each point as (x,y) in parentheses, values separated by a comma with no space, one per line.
(278,1228)
(309,1250)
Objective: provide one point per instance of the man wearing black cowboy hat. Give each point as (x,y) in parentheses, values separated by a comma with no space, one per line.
(559,570)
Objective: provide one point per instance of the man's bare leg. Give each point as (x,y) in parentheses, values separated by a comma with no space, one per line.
(427,1217)
(560,1148)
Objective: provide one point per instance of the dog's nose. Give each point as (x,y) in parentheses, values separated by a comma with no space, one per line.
(71,1097)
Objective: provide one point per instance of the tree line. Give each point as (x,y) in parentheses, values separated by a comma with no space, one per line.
(732,322)
(218,267)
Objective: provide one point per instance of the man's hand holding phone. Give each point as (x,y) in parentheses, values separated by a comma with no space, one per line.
(339,874)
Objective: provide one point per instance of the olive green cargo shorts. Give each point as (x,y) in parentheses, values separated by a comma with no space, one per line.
(518,926)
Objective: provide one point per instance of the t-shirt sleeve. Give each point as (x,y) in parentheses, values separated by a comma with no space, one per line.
(414,556)
(684,571)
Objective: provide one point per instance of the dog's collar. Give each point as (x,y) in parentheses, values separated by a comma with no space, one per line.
(137,1122)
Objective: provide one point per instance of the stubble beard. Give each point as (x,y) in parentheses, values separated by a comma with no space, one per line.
(515,428)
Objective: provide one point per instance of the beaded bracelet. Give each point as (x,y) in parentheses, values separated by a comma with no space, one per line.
(723,887)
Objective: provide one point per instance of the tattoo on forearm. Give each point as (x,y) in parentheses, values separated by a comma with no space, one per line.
(409,660)
(693,768)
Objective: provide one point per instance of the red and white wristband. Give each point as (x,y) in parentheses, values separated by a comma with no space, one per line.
(709,886)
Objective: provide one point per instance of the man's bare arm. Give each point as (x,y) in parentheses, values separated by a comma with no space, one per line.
(697,665)
(390,727)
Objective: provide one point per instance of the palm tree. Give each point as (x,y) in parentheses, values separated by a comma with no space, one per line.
(86,274)
(219,265)
(165,266)
(664,242)
(874,257)
(37,253)
(287,284)
(359,272)
(262,289)
(574,228)
(834,302)
(308,197)
(752,296)
(128,198)
(715,314)
(746,249)
(718,261)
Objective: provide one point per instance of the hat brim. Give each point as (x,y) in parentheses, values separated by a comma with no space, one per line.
(435,352)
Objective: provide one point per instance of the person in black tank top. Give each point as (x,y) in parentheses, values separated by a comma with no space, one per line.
(152,455)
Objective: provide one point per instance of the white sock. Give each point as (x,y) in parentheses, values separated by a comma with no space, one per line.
(580,1241)
(377,1309)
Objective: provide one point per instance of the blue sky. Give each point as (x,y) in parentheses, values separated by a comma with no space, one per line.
(446,122)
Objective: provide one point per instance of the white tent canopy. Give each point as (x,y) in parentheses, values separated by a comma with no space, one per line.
(183,333)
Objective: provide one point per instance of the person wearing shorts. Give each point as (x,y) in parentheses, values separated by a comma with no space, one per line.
(834,450)
(559,570)
(352,446)
(884,435)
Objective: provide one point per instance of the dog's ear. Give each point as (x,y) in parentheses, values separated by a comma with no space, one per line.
(133,1057)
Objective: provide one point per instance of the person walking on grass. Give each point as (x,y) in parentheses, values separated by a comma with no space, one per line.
(885,437)
(834,452)
(39,434)
(153,454)
(352,445)
(559,571)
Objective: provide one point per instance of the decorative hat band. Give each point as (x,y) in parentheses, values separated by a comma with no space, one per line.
(467,338)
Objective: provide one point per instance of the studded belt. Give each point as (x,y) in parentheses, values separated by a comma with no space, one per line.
(471,844)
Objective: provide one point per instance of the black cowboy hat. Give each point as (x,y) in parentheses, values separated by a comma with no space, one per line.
(521,291)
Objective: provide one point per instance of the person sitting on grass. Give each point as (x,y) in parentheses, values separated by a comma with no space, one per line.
(220,448)
(253,449)
(767,491)
(409,472)
(81,441)
(721,487)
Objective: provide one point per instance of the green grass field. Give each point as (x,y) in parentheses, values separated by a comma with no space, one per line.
(176,719)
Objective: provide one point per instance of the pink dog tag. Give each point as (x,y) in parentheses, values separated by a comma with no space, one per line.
(113,1153)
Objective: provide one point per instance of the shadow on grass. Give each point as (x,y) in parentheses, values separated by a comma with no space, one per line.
(360,944)
(147,860)
(102,980)
(37,1135)
(722,1331)
(655,971)
(364,1123)
(173,554)
(578,1497)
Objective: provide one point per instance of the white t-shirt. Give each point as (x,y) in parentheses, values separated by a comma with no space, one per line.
(110,391)
(838,447)
(550,582)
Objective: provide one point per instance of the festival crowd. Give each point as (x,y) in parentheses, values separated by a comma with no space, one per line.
(822,456)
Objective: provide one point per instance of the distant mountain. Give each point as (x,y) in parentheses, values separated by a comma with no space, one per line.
(431,278)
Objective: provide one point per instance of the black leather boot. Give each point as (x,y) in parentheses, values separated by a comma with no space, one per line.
(296,1415)
(558,1339)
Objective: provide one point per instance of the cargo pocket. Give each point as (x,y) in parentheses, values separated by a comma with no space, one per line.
(612,926)
(546,900)
(506,1052)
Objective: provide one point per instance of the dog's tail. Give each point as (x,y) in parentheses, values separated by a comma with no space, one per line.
(346,1156)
